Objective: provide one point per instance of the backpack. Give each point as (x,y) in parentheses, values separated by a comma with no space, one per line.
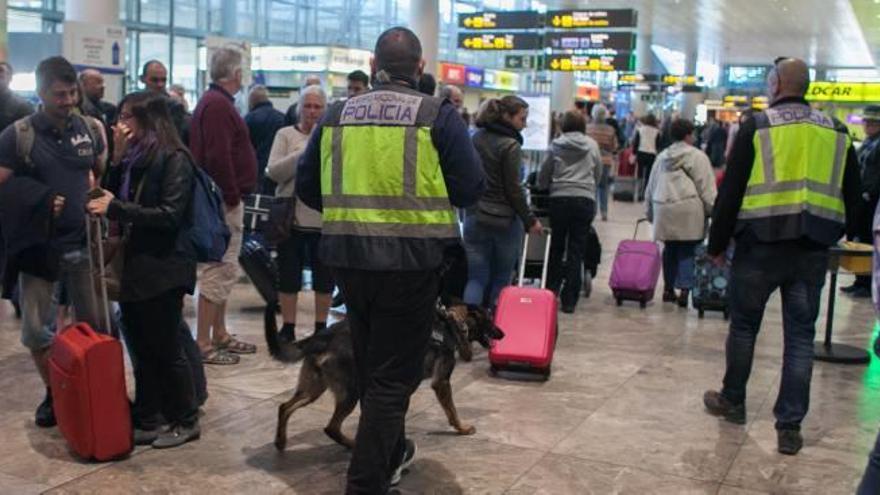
(25,137)
(207,236)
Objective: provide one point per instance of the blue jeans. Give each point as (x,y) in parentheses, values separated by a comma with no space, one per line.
(757,271)
(678,264)
(870,484)
(492,254)
(39,304)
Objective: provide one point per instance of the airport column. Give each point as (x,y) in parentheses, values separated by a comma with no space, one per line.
(563,91)
(644,55)
(3,31)
(691,97)
(98,12)
(425,22)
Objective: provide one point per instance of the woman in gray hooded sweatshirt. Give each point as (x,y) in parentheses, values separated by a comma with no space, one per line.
(679,198)
(571,172)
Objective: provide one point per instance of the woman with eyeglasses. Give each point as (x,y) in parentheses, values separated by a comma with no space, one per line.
(148,195)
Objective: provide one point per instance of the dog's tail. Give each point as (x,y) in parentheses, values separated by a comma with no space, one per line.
(286,352)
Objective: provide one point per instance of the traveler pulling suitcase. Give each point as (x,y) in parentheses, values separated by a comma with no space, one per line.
(626,180)
(87,377)
(710,284)
(636,270)
(527,316)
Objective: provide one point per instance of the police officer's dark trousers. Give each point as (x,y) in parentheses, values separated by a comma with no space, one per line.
(390,314)
(798,271)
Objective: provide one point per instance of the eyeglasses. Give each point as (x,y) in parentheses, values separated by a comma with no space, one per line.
(125,116)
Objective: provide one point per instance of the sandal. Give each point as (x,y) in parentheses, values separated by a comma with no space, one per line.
(219,356)
(235,346)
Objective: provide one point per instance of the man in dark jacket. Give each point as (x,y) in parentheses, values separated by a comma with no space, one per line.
(263,121)
(388,270)
(63,157)
(12,107)
(782,239)
(869,163)
(92,82)
(154,75)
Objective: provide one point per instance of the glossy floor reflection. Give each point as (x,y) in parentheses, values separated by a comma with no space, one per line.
(621,414)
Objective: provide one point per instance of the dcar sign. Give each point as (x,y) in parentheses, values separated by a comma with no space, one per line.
(844,92)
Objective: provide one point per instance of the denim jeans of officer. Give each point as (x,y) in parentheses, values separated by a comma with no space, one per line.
(571,218)
(39,305)
(757,271)
(390,315)
(678,264)
(602,190)
(492,255)
(870,484)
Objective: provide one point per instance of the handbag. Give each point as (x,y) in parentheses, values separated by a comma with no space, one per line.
(113,252)
(282,219)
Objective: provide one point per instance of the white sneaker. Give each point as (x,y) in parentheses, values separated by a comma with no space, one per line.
(409,456)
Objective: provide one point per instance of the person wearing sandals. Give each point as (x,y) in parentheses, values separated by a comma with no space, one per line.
(150,189)
(221,144)
(302,245)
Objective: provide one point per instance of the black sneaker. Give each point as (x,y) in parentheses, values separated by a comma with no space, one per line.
(683,298)
(176,436)
(789,441)
(337,301)
(45,415)
(408,456)
(849,288)
(861,293)
(145,437)
(718,405)
(669,295)
(567,309)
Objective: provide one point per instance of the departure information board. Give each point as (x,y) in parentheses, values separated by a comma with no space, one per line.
(499,41)
(584,19)
(577,63)
(521,19)
(620,42)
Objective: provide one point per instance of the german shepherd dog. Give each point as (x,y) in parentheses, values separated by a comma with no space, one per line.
(328,362)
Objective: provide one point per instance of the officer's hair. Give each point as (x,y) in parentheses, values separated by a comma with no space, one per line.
(493,110)
(398,52)
(680,129)
(224,63)
(147,65)
(309,90)
(52,70)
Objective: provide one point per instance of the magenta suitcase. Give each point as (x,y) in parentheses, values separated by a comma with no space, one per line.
(527,316)
(636,269)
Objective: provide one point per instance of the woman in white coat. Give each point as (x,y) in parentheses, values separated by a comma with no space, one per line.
(679,199)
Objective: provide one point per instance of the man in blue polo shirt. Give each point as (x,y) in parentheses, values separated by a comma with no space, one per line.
(60,165)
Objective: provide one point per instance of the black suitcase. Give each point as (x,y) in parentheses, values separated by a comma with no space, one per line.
(257,263)
(710,284)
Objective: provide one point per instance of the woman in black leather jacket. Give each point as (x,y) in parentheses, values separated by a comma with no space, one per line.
(151,180)
(493,229)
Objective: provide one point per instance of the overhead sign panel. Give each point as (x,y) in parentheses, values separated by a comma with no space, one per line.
(499,79)
(521,62)
(499,41)
(602,63)
(846,92)
(585,19)
(522,19)
(621,42)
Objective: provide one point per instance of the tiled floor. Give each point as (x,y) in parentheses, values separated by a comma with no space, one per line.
(621,414)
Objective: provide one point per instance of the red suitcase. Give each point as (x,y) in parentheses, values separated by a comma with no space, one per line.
(87,376)
(527,316)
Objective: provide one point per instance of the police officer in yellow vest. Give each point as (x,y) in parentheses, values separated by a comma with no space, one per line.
(386,168)
(790,192)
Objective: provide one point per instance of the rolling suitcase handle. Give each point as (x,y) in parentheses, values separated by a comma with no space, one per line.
(639,222)
(100,292)
(522,264)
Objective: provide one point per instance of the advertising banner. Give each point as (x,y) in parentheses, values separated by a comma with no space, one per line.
(452,74)
(536,135)
(95,46)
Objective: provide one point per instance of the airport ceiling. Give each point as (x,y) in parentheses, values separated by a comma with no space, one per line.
(826,33)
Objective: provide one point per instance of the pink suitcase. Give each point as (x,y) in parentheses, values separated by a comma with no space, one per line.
(636,269)
(527,316)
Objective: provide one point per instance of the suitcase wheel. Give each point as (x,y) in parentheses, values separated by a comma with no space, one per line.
(701,313)
(546,373)
(619,301)
(643,304)
(726,315)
